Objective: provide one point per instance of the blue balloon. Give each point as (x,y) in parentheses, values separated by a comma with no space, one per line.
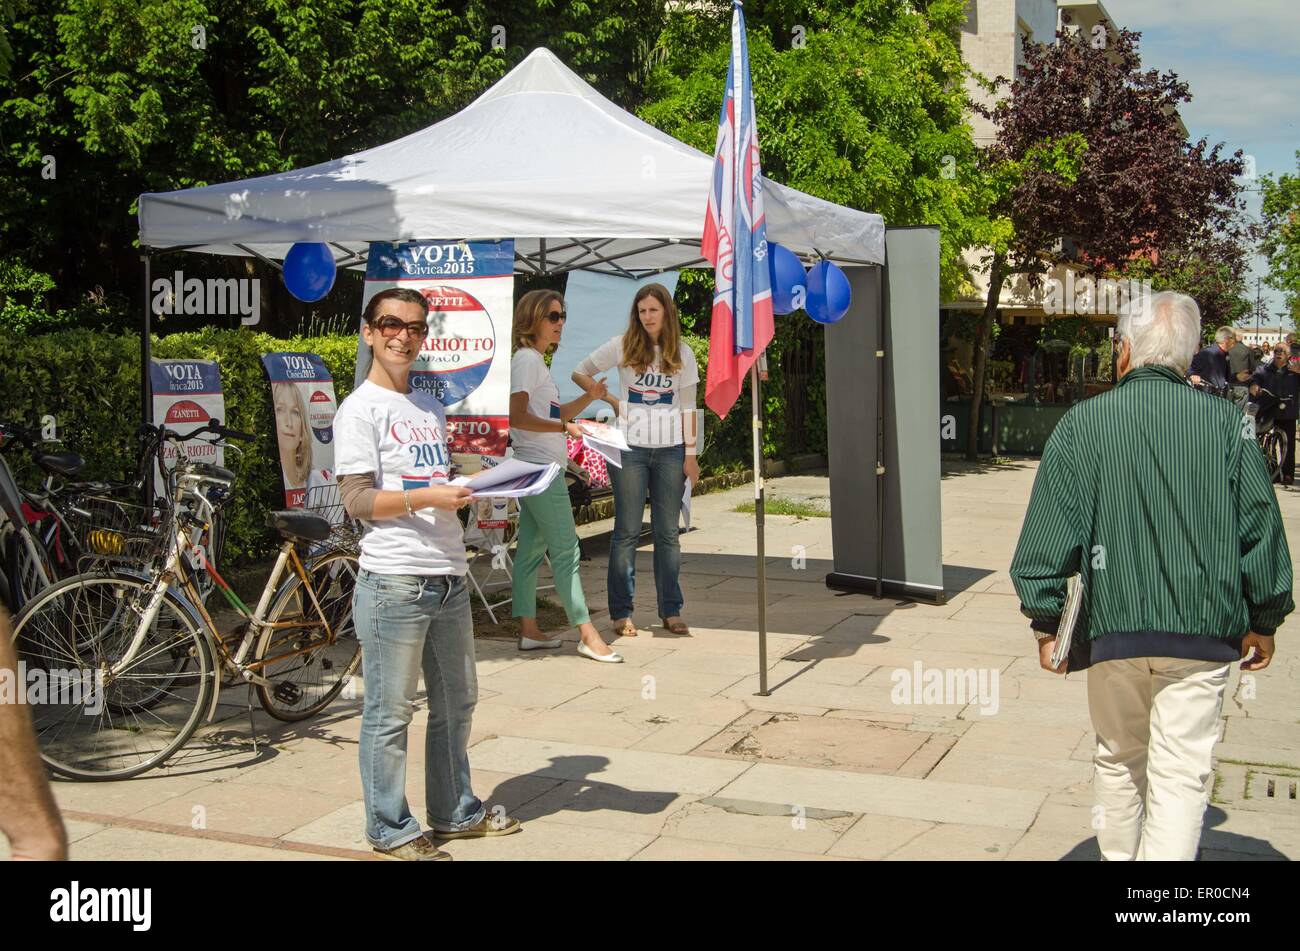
(829,294)
(309,270)
(789,282)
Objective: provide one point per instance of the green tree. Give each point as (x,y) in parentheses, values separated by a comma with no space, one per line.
(1211,268)
(861,104)
(1090,154)
(111,98)
(1281,240)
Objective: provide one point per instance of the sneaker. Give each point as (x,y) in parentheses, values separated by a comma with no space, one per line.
(489,825)
(420,849)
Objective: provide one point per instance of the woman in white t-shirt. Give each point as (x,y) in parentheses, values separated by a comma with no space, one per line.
(538,425)
(411,606)
(659,375)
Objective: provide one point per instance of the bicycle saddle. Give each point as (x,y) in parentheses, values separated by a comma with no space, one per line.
(66,464)
(295,523)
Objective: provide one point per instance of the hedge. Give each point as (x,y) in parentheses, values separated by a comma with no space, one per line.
(89,381)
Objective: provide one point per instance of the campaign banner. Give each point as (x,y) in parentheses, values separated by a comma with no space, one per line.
(465,359)
(187,394)
(302,394)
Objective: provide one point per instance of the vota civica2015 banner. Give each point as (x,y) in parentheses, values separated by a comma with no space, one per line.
(187,394)
(302,393)
(465,359)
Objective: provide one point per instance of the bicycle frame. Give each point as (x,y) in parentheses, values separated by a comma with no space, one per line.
(177,577)
(12,514)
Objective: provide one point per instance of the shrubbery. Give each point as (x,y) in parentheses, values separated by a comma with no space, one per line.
(90,382)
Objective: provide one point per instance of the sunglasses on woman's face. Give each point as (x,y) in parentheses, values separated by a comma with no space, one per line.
(390,327)
(558,316)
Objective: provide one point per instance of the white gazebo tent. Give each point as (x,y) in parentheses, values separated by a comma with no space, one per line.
(542,158)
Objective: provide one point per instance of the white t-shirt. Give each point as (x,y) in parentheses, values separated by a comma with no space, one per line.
(530,374)
(655,401)
(402,438)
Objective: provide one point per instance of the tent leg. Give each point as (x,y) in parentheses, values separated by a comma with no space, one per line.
(146,352)
(755,387)
(146,388)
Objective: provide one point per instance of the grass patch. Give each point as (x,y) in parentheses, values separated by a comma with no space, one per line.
(781,506)
(1280,767)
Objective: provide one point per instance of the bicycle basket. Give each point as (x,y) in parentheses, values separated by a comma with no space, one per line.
(345,534)
(112,530)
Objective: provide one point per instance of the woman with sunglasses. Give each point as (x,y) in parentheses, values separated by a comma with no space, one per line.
(411,607)
(538,425)
(659,375)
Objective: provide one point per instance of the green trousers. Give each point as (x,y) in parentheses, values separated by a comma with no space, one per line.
(546,528)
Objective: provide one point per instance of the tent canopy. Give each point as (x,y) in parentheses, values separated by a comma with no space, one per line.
(540,157)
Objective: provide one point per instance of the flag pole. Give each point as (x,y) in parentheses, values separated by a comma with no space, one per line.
(756,388)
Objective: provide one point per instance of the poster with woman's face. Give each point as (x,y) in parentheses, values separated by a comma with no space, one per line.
(302,397)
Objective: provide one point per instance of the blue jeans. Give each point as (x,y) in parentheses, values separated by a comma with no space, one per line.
(660,470)
(405,623)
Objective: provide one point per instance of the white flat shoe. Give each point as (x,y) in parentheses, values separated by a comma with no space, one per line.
(528,644)
(585,651)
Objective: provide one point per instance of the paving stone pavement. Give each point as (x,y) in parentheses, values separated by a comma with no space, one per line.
(673,756)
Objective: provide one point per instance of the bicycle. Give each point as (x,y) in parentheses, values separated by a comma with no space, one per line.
(1272,440)
(24,557)
(139,657)
(75,523)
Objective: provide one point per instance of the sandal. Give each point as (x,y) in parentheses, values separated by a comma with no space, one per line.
(677,627)
(624,628)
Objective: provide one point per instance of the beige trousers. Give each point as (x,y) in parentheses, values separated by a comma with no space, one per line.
(1157,720)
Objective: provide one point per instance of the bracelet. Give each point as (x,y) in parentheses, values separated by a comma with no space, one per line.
(406,497)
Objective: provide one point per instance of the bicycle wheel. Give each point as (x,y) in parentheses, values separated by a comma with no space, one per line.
(1274,446)
(95,725)
(306,666)
(29,570)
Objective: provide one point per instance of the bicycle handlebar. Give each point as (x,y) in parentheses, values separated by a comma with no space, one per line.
(212,426)
(13,433)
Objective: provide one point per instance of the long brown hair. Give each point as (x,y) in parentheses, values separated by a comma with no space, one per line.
(529,312)
(639,349)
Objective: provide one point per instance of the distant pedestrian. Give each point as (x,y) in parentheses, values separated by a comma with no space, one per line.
(1176,536)
(1276,385)
(1241,364)
(1210,365)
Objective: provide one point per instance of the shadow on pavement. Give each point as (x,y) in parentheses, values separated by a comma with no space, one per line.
(590,795)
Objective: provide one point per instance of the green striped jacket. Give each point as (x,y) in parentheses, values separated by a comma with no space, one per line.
(1157,495)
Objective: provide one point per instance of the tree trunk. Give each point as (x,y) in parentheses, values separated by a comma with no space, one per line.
(980,370)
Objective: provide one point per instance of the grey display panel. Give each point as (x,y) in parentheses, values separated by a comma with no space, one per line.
(900,301)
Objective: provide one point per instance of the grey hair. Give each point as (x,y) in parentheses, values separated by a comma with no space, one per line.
(1224,334)
(1162,329)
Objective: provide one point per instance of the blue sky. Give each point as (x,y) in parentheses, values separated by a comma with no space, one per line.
(1242,62)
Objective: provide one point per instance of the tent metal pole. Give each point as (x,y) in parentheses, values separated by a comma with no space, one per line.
(261,257)
(146,347)
(541,243)
(755,388)
(146,388)
(564,265)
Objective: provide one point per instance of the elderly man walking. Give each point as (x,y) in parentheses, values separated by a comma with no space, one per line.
(1157,496)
